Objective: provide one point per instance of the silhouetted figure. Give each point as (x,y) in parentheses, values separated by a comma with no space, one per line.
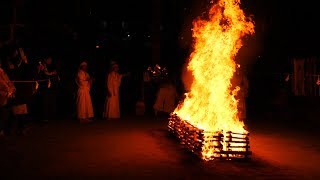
(48,89)
(21,72)
(241,80)
(148,93)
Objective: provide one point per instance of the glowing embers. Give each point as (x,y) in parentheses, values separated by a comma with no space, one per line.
(210,145)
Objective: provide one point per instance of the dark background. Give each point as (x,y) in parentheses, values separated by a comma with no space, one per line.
(145,32)
(282,29)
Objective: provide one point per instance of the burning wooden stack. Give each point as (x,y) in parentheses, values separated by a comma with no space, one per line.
(210,145)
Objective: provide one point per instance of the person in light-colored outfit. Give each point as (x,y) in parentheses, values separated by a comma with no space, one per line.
(113,82)
(7,91)
(166,98)
(84,104)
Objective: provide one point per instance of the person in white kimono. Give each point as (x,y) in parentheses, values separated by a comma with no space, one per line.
(84,104)
(166,98)
(113,82)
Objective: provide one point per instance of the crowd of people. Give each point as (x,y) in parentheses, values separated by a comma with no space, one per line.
(25,88)
(164,99)
(22,86)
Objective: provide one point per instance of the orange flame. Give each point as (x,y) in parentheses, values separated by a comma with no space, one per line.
(211,104)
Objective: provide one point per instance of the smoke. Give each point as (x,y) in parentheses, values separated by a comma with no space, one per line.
(253,47)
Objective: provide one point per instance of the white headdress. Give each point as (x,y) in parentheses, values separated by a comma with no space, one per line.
(83,64)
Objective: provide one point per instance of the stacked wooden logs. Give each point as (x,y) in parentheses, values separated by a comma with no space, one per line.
(237,145)
(189,136)
(209,145)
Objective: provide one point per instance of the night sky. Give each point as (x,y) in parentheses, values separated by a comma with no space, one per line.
(285,28)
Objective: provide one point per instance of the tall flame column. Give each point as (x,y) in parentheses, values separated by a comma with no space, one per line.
(211,106)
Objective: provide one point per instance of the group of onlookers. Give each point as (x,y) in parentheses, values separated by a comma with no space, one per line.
(28,88)
(21,83)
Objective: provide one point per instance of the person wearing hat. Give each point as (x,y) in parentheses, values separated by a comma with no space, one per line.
(83,100)
(113,82)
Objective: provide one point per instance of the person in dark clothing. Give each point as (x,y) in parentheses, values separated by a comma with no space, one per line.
(48,88)
(20,72)
(149,92)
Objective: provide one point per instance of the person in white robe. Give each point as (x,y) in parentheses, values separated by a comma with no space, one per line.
(113,82)
(166,98)
(83,100)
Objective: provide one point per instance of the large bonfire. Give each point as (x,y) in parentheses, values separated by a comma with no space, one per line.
(211,104)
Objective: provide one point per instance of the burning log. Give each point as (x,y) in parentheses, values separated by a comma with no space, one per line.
(210,145)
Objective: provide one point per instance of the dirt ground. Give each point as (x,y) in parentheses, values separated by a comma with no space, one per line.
(141,148)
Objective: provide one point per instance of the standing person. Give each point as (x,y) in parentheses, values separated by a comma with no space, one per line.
(7,91)
(21,72)
(148,92)
(242,81)
(83,100)
(113,82)
(166,98)
(48,89)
